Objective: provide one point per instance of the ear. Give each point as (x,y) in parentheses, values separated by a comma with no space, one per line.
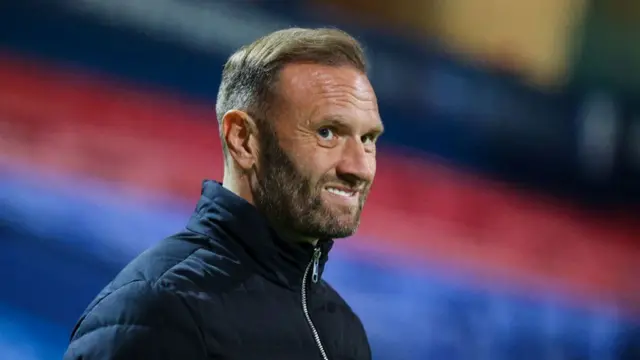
(239,132)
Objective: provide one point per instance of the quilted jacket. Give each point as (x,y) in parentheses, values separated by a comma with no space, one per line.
(226,287)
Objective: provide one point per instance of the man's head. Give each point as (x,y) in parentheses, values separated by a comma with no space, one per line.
(299,123)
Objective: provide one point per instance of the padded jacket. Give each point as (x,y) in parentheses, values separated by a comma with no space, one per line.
(226,287)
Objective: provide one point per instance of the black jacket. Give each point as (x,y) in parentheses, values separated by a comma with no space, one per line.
(224,288)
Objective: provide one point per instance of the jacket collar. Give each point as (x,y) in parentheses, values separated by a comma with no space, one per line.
(221,211)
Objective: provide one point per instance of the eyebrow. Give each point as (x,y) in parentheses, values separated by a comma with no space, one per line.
(339,121)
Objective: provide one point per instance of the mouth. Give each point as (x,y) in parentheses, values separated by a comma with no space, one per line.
(343,192)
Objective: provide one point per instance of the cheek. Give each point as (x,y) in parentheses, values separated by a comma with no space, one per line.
(307,165)
(318,160)
(372,164)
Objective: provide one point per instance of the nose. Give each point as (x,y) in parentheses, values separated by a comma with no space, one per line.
(356,165)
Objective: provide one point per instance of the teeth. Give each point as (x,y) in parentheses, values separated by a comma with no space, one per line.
(339,192)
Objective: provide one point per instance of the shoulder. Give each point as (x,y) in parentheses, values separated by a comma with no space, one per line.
(169,275)
(154,300)
(136,303)
(137,320)
(184,261)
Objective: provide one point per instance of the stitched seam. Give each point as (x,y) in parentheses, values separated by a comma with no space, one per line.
(89,312)
(161,277)
(123,286)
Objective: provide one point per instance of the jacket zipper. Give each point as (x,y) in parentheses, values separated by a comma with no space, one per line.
(314,265)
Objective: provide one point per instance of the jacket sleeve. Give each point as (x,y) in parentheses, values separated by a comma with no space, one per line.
(137,321)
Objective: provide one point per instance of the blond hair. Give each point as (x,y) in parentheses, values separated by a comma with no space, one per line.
(250,75)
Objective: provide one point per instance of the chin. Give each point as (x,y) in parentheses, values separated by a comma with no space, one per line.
(342,229)
(332,229)
(343,234)
(333,223)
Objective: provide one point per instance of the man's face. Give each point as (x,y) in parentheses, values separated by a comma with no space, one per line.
(317,155)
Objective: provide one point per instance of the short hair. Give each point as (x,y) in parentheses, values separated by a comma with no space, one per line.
(251,74)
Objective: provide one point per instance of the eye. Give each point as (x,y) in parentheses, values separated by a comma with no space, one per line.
(326,134)
(368,139)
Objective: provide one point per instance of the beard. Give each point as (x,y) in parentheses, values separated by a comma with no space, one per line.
(293,201)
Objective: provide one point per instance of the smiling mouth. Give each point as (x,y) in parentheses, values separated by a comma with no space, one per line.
(343,192)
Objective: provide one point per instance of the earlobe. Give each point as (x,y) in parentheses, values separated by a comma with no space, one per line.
(238,130)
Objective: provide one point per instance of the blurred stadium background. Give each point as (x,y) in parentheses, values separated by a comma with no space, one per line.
(504,222)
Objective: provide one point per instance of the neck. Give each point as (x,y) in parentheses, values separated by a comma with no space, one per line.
(239,185)
(291,237)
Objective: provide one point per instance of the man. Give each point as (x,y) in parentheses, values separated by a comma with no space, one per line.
(299,123)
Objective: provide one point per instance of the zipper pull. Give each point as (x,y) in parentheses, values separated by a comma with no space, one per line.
(316,265)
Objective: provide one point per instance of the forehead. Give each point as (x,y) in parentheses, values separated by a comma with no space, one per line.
(313,89)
